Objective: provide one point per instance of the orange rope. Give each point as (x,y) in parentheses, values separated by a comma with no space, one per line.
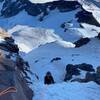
(8,90)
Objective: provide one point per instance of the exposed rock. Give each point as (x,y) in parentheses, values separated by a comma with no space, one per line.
(67,77)
(98,75)
(64,6)
(55,59)
(11,8)
(9,45)
(97,79)
(13,85)
(98,70)
(86,17)
(66,25)
(9,39)
(76,69)
(90,77)
(81,42)
(98,36)
(86,67)
(25,88)
(71,69)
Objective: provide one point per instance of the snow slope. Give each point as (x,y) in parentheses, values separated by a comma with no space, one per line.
(50,29)
(41,57)
(40,62)
(43,41)
(67,91)
(29,38)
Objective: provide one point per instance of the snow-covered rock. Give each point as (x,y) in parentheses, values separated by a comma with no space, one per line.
(45,40)
(29,38)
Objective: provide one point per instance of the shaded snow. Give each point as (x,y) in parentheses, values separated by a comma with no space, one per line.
(67,91)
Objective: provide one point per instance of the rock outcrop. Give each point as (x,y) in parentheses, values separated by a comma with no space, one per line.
(81,42)
(11,8)
(10,77)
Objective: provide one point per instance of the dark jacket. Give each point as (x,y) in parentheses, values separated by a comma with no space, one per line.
(49,79)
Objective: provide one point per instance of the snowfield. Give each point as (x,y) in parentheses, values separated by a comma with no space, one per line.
(41,57)
(40,62)
(29,38)
(67,91)
(42,41)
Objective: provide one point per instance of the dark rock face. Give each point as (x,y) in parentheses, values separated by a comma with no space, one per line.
(9,45)
(86,17)
(68,77)
(13,85)
(64,6)
(86,67)
(76,70)
(70,71)
(11,8)
(98,70)
(81,42)
(27,91)
(90,77)
(55,59)
(98,36)
(98,75)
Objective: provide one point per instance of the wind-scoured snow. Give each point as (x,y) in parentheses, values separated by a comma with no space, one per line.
(29,38)
(41,1)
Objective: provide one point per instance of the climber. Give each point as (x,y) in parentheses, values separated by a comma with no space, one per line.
(48,78)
